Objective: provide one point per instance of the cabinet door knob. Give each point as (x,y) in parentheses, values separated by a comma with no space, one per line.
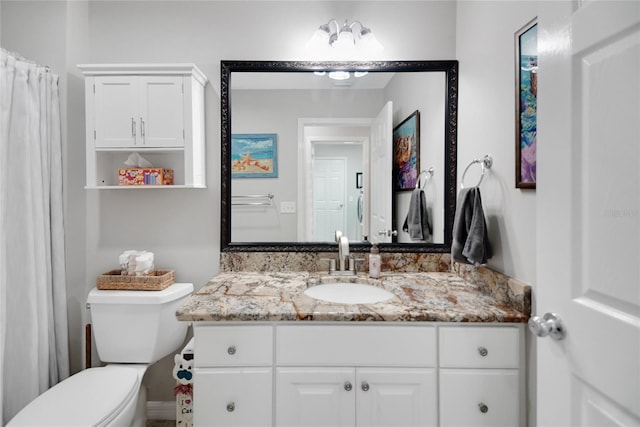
(231,406)
(232,350)
(348,386)
(483,351)
(483,408)
(365,386)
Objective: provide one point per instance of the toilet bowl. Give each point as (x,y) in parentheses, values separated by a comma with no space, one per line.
(132,330)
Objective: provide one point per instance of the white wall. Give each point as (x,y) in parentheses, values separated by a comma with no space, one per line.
(486,125)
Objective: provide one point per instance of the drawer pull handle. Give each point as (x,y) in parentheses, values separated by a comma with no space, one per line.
(483,351)
(232,350)
(365,386)
(483,408)
(231,407)
(348,386)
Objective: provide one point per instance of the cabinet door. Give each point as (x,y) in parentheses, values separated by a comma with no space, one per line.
(396,397)
(161,113)
(232,397)
(315,397)
(115,102)
(479,397)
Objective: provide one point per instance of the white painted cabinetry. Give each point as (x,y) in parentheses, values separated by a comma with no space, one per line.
(362,374)
(155,110)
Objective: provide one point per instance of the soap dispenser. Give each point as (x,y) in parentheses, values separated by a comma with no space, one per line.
(374,261)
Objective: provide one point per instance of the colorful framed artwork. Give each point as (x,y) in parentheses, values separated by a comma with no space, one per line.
(254,155)
(526,104)
(406,153)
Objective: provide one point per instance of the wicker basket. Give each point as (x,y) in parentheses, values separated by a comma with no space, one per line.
(156,281)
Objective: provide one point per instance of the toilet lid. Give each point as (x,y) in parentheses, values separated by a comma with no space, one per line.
(92,397)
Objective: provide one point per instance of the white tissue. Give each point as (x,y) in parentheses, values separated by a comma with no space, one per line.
(136,263)
(135,160)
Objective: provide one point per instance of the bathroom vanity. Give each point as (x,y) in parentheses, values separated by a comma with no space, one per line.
(441,352)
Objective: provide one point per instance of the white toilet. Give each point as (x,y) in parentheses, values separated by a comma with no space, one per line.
(132,330)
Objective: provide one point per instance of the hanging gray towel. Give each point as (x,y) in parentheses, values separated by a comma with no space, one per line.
(470,240)
(417,222)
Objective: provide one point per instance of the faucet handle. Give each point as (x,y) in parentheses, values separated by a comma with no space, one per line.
(332,263)
(352,263)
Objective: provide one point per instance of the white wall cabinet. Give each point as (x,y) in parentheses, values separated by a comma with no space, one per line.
(155,110)
(321,374)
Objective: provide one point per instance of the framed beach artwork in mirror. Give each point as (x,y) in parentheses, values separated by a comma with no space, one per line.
(254,155)
(526,42)
(406,149)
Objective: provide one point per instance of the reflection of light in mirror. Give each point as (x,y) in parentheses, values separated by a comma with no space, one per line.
(338,75)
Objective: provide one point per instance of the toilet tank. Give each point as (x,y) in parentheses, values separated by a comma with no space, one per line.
(138,326)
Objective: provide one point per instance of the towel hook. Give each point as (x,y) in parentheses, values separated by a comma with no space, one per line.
(423,172)
(486,162)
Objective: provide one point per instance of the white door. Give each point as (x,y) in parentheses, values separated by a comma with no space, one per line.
(315,397)
(396,397)
(380,226)
(329,198)
(161,113)
(588,210)
(116,121)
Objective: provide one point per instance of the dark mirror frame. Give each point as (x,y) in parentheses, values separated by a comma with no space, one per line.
(450,68)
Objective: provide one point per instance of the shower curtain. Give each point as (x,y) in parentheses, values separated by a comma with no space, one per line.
(33,303)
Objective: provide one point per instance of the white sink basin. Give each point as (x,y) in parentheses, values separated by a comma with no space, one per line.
(349,293)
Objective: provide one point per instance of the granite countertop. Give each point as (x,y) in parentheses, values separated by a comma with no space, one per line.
(279,296)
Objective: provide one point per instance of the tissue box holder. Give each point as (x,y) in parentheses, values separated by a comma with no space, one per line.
(145,176)
(156,281)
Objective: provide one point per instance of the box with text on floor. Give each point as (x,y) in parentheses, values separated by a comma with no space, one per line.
(145,176)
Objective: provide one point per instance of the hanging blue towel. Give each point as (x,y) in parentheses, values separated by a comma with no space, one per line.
(470,240)
(417,221)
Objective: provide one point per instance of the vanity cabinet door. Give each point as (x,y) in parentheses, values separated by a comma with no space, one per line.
(396,397)
(479,397)
(232,397)
(315,397)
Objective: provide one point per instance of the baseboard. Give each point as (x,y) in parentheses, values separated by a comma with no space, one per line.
(161,410)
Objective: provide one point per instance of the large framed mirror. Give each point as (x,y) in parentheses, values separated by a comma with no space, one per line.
(308,148)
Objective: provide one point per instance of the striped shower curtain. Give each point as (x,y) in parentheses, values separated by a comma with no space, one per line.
(33,303)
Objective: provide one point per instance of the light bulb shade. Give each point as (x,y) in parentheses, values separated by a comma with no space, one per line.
(369,42)
(320,38)
(339,75)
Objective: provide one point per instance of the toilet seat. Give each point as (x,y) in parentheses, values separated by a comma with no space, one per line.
(93,397)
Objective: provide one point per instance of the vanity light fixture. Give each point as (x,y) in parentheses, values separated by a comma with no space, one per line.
(343,39)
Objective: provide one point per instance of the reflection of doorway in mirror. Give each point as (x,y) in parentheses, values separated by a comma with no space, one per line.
(332,138)
(329,201)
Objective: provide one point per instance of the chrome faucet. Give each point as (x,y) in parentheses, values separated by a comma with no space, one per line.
(343,251)
(345,265)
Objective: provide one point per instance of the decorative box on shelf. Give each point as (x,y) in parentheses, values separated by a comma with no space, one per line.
(157,280)
(145,176)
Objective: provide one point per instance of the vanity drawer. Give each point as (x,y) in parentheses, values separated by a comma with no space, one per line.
(479,397)
(233,346)
(479,347)
(351,345)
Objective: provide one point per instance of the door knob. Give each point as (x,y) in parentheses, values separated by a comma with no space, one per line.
(550,324)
